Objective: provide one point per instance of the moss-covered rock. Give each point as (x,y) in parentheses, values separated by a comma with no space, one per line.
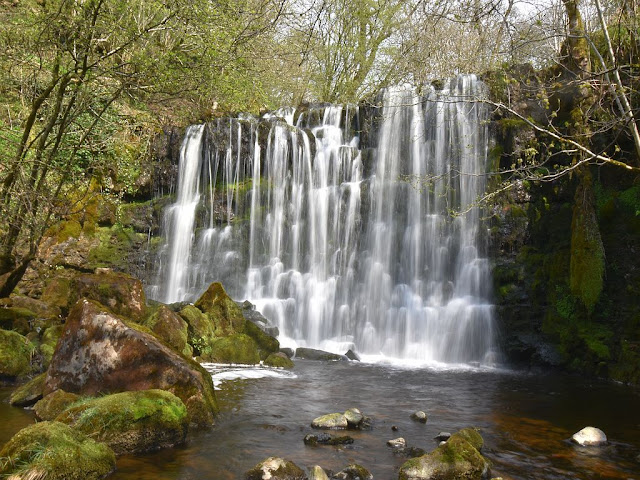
(48,343)
(200,332)
(279,360)
(454,460)
(266,344)
(131,422)
(17,319)
(54,404)
(29,393)
(331,421)
(472,436)
(55,451)
(275,469)
(221,310)
(122,293)
(15,355)
(100,352)
(57,292)
(237,348)
(41,308)
(169,327)
(354,472)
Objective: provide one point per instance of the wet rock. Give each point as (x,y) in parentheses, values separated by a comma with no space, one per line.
(317,473)
(237,348)
(394,428)
(55,451)
(131,422)
(442,436)
(354,417)
(287,351)
(589,436)
(279,360)
(353,472)
(254,316)
(54,404)
(275,468)
(100,353)
(314,439)
(221,310)
(351,355)
(121,293)
(397,443)
(15,356)
(331,421)
(419,416)
(29,393)
(265,342)
(472,435)
(454,459)
(169,327)
(314,354)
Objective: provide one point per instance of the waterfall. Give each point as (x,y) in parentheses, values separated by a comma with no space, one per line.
(344,231)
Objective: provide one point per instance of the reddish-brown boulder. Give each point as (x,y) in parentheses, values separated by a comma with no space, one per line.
(99,353)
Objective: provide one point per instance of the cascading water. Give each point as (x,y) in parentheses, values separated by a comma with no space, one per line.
(343,244)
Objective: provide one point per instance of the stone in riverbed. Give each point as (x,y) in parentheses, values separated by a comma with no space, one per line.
(353,472)
(54,404)
(29,393)
(397,443)
(275,468)
(331,421)
(442,436)
(100,353)
(279,360)
(351,355)
(314,354)
(419,416)
(317,473)
(354,417)
(55,451)
(472,436)
(589,437)
(452,460)
(131,422)
(313,439)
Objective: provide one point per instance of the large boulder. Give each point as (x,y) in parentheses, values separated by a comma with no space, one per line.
(15,355)
(275,468)
(55,451)
(236,348)
(452,460)
(131,422)
(100,353)
(314,354)
(169,327)
(122,293)
(222,311)
(278,360)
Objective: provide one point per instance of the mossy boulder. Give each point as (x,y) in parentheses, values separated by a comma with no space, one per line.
(221,310)
(237,348)
(48,343)
(131,422)
(472,436)
(354,472)
(29,393)
(314,354)
(54,404)
(331,421)
(42,309)
(455,459)
(55,451)
(169,327)
(200,331)
(15,355)
(279,360)
(275,468)
(122,293)
(100,353)
(265,343)
(17,319)
(57,292)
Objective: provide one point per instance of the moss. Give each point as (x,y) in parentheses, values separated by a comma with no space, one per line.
(472,436)
(237,348)
(54,404)
(279,360)
(17,318)
(15,354)
(114,247)
(200,332)
(266,344)
(48,343)
(130,422)
(58,292)
(275,468)
(29,393)
(56,451)
(221,310)
(171,329)
(65,230)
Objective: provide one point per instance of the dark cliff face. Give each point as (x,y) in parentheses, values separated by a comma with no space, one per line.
(542,321)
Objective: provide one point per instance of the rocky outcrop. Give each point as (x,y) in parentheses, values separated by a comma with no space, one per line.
(101,353)
(55,451)
(131,422)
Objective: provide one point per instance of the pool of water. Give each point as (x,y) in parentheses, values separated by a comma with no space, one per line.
(526,420)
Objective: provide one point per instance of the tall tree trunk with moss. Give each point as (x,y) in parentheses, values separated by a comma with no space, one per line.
(587,266)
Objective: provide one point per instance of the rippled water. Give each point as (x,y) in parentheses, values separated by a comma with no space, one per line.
(525,420)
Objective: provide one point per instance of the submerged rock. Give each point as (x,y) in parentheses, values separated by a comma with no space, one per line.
(100,353)
(131,422)
(397,443)
(353,472)
(452,460)
(314,354)
(29,393)
(419,416)
(54,404)
(331,421)
(275,468)
(589,437)
(55,451)
(325,439)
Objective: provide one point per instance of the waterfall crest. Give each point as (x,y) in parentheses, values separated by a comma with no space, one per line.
(344,231)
